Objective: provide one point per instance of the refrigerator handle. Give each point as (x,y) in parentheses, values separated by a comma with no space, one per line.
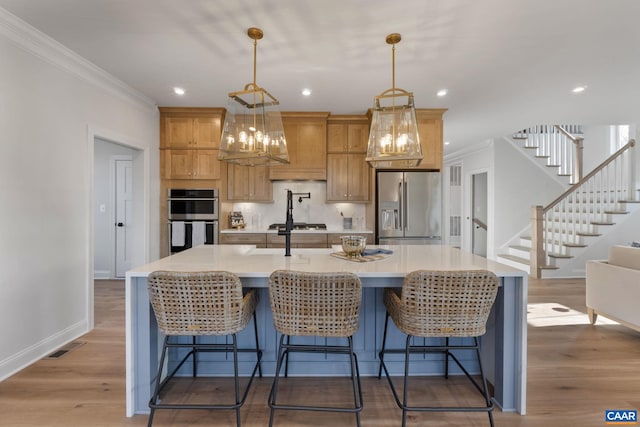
(401,204)
(405,208)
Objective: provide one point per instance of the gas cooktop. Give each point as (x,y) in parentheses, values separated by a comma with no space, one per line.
(299,226)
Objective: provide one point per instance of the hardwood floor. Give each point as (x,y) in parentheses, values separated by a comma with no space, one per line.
(575,370)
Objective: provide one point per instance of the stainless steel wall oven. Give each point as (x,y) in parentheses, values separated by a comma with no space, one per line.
(193,218)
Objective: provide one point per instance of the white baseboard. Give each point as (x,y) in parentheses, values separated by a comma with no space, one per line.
(102,274)
(26,357)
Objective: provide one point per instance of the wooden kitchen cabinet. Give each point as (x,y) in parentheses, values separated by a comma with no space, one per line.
(298,240)
(347,178)
(306,134)
(346,137)
(191,164)
(258,239)
(430,128)
(248,183)
(348,173)
(189,142)
(191,127)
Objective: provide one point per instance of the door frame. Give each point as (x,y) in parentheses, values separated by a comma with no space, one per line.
(140,230)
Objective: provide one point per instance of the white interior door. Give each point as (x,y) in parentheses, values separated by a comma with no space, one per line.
(124,216)
(479,212)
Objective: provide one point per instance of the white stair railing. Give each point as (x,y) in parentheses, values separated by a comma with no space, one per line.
(561,145)
(577,212)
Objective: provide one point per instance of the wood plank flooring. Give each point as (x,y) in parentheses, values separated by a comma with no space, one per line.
(576,371)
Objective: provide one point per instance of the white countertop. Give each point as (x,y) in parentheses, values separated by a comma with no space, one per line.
(249,261)
(327,231)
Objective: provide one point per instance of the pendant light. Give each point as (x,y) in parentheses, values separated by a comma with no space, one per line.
(252,134)
(393,138)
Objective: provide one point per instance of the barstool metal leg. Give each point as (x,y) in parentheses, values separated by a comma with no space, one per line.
(384,341)
(276,377)
(258,352)
(355,379)
(446,358)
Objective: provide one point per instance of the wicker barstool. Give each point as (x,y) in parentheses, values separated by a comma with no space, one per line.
(440,304)
(319,305)
(209,303)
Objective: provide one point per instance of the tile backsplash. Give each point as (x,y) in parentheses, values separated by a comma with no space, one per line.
(314,210)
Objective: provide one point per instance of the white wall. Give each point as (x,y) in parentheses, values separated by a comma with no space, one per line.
(50,100)
(519,184)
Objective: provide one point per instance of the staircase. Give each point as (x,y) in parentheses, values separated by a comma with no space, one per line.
(557,147)
(589,209)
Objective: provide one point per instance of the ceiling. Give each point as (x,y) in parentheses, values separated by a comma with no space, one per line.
(507,64)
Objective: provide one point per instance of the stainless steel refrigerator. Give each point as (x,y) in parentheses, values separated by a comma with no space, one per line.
(409,208)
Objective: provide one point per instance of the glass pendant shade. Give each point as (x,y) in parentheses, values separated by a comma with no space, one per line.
(252,134)
(394,141)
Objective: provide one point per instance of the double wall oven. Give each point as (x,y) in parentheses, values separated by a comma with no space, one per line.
(193,217)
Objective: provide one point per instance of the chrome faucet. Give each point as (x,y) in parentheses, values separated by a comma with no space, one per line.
(288,224)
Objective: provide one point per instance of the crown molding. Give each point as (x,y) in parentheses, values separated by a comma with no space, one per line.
(47,49)
(467,151)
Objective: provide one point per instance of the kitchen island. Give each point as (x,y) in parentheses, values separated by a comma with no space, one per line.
(503,347)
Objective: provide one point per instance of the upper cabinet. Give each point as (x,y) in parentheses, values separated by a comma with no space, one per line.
(189,142)
(348,173)
(431,138)
(347,134)
(191,164)
(191,127)
(306,134)
(248,184)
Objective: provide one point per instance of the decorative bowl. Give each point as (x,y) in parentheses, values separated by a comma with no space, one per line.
(353,245)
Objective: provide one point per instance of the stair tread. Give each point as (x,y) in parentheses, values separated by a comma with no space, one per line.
(602,223)
(582,233)
(515,258)
(520,248)
(575,245)
(564,256)
(616,212)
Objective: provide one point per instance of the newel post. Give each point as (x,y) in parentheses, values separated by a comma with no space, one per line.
(537,256)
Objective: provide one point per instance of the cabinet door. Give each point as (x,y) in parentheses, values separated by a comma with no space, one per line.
(337,137)
(246,183)
(179,132)
(431,134)
(207,165)
(337,177)
(258,239)
(260,188)
(358,138)
(306,135)
(179,164)
(237,182)
(207,132)
(358,178)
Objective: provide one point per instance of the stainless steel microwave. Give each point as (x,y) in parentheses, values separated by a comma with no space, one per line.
(192,204)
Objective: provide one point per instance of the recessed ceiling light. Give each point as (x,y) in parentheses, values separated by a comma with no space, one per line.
(442,92)
(306,91)
(446,143)
(579,89)
(178,91)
